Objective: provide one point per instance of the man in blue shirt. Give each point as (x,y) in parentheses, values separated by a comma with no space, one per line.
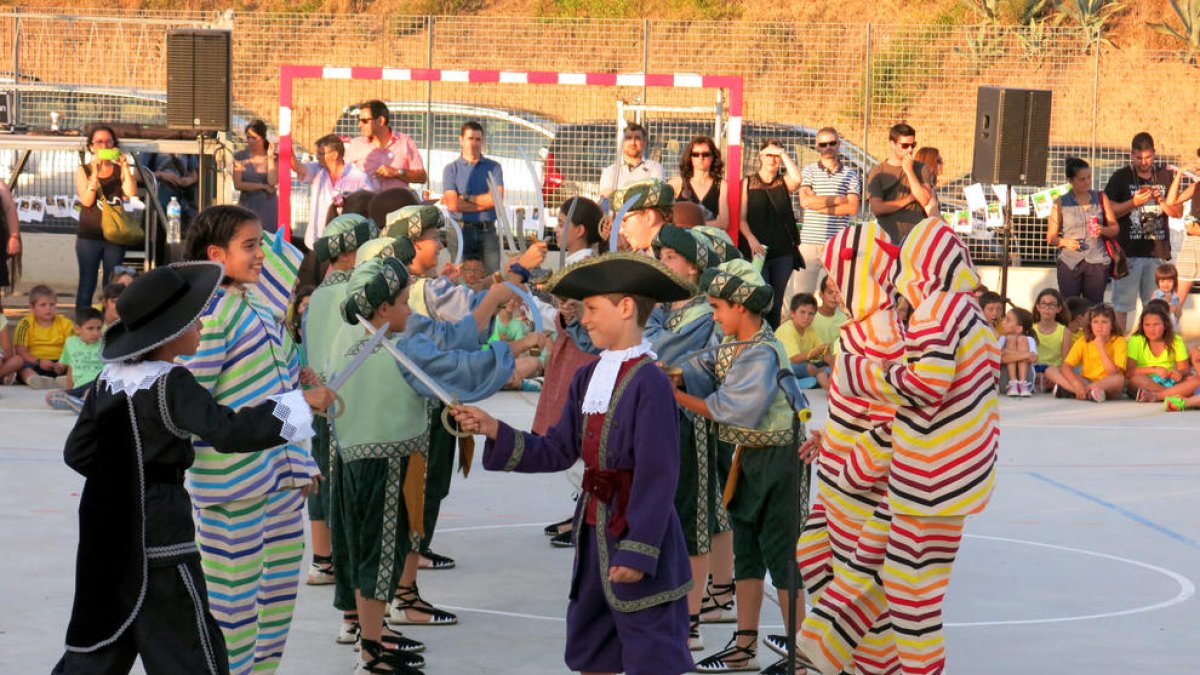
(466,194)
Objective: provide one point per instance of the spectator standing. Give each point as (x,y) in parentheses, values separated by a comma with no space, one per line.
(177,177)
(830,190)
(1076,224)
(1188,262)
(116,181)
(633,164)
(701,180)
(768,223)
(898,187)
(389,158)
(10,232)
(1138,193)
(931,157)
(332,178)
(467,195)
(256,177)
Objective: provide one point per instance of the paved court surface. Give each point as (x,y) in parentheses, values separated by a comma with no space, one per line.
(1086,561)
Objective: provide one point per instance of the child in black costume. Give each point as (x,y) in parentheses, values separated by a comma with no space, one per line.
(139,589)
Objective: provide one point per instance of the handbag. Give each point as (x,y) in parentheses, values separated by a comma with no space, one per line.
(1119,267)
(120,227)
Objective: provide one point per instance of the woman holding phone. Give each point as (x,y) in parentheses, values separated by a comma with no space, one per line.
(108,174)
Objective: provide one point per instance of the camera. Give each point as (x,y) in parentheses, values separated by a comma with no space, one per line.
(109,154)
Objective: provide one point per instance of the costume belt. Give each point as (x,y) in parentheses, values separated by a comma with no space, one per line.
(610,486)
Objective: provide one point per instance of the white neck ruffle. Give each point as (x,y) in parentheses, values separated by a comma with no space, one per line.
(604,377)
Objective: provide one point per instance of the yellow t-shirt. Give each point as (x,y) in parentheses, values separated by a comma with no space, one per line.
(43,342)
(1084,352)
(795,343)
(828,328)
(1049,349)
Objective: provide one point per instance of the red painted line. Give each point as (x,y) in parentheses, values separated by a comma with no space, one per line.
(483,76)
(366,73)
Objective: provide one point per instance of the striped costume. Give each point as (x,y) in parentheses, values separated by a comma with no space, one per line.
(249,522)
(860,261)
(944,439)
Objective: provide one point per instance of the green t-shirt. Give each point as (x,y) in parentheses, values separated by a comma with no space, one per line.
(84,360)
(1138,349)
(828,327)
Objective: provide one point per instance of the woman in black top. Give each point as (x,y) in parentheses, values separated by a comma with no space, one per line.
(701,180)
(115,180)
(768,223)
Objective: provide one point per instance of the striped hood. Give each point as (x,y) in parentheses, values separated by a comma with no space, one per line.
(934,259)
(861,260)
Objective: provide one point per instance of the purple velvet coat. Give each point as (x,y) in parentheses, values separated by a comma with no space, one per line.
(641,433)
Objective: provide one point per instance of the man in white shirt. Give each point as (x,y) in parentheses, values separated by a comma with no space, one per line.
(829,192)
(389,158)
(633,165)
(331,178)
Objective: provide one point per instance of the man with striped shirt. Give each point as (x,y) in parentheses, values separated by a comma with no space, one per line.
(829,192)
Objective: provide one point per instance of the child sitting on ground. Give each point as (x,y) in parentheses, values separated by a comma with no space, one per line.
(1077,309)
(993,309)
(1166,276)
(1051,332)
(1102,356)
(81,356)
(805,350)
(1157,367)
(1018,350)
(829,318)
(108,302)
(39,339)
(10,362)
(1181,403)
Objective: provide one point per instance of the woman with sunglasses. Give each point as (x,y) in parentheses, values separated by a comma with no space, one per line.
(701,180)
(767,222)
(101,178)
(255,176)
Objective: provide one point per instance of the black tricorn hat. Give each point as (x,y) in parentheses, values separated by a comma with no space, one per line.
(158,307)
(625,273)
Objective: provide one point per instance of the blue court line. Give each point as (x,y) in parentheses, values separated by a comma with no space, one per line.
(1140,520)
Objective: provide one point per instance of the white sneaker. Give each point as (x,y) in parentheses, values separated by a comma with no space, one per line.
(1013,388)
(1026,390)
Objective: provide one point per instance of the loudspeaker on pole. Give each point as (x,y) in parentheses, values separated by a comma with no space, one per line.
(199,78)
(1012,136)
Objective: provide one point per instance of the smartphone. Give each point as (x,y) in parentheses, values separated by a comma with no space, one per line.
(108,154)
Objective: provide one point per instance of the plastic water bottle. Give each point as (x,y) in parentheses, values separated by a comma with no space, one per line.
(174,215)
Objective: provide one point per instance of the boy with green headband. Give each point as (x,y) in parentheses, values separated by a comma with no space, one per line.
(675,329)
(383,445)
(754,418)
(318,328)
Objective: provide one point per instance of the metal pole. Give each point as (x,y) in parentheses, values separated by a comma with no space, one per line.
(429,98)
(1095,100)
(645,58)
(866,116)
(14,115)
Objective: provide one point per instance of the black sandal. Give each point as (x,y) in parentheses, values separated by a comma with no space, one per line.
(695,640)
(396,641)
(408,597)
(557,528)
(564,540)
(715,611)
(732,658)
(374,658)
(436,562)
(320,572)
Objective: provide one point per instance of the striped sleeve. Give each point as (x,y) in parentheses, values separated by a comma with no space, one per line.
(923,381)
(281,267)
(206,364)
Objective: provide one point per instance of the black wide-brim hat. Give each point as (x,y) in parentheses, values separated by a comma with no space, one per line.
(624,273)
(158,307)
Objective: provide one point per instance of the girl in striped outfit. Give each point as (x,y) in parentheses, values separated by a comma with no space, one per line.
(250,523)
(943,460)
(861,261)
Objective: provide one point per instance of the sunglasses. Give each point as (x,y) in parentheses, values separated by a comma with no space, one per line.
(828,144)
(907,146)
(702,155)
(365,120)
(121,269)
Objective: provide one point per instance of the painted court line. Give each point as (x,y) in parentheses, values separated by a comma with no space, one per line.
(1120,510)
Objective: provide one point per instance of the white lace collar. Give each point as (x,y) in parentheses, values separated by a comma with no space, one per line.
(604,377)
(581,254)
(131,378)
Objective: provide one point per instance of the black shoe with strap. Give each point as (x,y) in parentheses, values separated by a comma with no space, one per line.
(375,658)
(436,561)
(564,540)
(409,598)
(712,610)
(555,529)
(733,658)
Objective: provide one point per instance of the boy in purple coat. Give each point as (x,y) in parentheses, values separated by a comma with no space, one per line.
(628,607)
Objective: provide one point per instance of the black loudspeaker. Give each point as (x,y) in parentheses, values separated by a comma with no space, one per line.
(198,79)
(1012,136)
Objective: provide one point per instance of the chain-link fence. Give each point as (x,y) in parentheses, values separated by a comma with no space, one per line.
(858,78)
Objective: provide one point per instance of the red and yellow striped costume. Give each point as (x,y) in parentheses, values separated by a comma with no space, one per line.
(861,262)
(942,469)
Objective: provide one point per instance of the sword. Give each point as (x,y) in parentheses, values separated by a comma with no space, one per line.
(413,369)
(338,379)
(446,215)
(528,298)
(537,183)
(562,245)
(616,226)
(501,213)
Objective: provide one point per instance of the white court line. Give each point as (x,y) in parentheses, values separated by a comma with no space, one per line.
(1186,588)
